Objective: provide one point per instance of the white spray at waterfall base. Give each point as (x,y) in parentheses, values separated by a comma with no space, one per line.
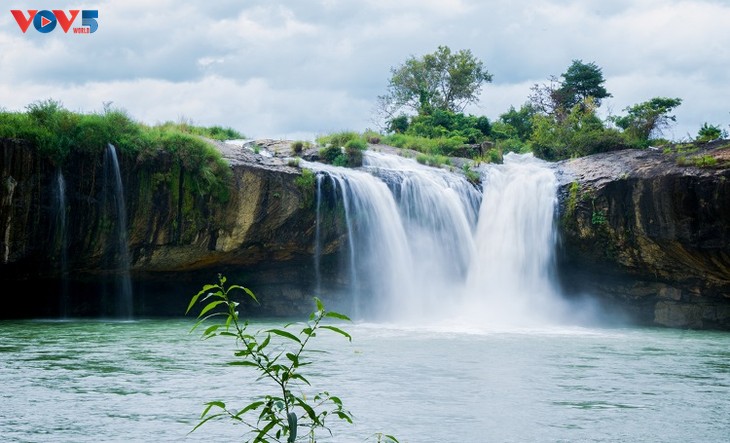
(426,246)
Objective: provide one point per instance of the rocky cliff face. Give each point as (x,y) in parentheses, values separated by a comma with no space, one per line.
(58,230)
(649,231)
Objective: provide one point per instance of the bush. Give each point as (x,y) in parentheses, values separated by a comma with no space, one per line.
(329,154)
(56,132)
(297,147)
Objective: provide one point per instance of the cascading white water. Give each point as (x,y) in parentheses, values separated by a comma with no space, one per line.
(124,308)
(511,281)
(61,238)
(426,245)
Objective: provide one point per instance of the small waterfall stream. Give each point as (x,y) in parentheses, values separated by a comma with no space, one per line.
(426,245)
(60,235)
(123,293)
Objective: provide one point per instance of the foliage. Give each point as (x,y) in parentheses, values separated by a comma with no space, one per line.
(337,139)
(580,81)
(57,133)
(344,148)
(647,118)
(432,146)
(580,133)
(297,147)
(398,124)
(447,124)
(306,183)
(710,132)
(353,152)
(513,145)
(700,161)
(515,123)
(212,132)
(330,153)
(432,159)
(442,80)
(471,175)
(370,136)
(286,411)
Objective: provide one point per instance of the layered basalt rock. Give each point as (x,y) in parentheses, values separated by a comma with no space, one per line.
(648,231)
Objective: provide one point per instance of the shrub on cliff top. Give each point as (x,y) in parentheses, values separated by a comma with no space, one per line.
(57,132)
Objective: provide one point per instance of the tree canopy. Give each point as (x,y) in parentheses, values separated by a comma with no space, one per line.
(649,117)
(579,81)
(443,80)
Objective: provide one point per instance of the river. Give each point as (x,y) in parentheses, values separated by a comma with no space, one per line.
(147,381)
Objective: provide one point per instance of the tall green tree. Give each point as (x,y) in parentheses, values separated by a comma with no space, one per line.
(580,81)
(443,80)
(648,118)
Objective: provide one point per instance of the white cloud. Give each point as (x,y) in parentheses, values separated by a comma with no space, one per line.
(278,67)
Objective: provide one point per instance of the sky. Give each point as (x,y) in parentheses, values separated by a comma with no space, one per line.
(298,69)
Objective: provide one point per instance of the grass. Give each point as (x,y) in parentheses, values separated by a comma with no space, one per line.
(58,133)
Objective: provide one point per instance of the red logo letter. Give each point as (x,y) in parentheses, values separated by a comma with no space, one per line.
(22,21)
(64,21)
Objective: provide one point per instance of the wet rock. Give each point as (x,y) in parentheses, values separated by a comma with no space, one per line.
(653,218)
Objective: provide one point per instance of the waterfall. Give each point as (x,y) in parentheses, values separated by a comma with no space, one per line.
(317,240)
(123,293)
(512,278)
(60,235)
(426,245)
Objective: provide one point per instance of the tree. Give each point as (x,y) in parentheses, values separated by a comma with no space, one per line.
(580,133)
(558,97)
(580,81)
(647,118)
(442,80)
(710,132)
(519,121)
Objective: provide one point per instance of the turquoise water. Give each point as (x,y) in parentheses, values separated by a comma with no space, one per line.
(147,381)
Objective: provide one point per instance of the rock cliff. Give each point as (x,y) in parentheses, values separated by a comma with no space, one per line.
(646,232)
(649,231)
(261,236)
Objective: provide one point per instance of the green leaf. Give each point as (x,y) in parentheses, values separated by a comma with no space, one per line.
(195,298)
(344,416)
(337,315)
(320,306)
(242,363)
(337,330)
(248,291)
(210,404)
(208,418)
(244,289)
(211,329)
(285,334)
(210,306)
(264,344)
(304,405)
(251,407)
(299,377)
(293,358)
(262,432)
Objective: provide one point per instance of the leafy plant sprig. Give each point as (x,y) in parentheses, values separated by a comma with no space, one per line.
(277,416)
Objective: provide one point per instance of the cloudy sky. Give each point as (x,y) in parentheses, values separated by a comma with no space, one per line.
(296,69)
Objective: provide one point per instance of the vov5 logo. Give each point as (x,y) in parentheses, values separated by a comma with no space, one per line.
(46,21)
